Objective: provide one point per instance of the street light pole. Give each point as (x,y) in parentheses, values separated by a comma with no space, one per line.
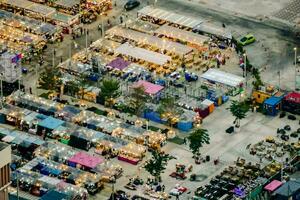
(295,63)
(1,87)
(279,80)
(245,69)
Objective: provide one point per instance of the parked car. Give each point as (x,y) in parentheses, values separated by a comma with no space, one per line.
(247,39)
(131,4)
(177,190)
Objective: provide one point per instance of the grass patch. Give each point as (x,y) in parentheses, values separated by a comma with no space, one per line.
(153,128)
(176,140)
(45,95)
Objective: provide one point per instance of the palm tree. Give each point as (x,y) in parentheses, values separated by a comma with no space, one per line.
(157,164)
(257,82)
(239,111)
(110,90)
(169,110)
(197,139)
(138,100)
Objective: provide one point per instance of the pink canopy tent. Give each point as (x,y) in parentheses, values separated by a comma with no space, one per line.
(273,185)
(86,160)
(150,88)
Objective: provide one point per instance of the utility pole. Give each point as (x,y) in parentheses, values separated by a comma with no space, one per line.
(278,80)
(295,62)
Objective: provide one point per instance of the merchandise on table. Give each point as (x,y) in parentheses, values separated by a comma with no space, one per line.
(132,153)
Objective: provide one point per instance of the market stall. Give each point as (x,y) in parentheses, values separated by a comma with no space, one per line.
(272,105)
(84,160)
(48,125)
(160,16)
(212,30)
(154,140)
(190,38)
(132,153)
(141,26)
(229,83)
(70,7)
(155,43)
(118,63)
(291,103)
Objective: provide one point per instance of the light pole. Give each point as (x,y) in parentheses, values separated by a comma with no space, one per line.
(278,80)
(1,87)
(245,70)
(295,63)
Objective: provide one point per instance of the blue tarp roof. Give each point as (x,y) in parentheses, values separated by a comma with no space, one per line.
(288,189)
(51,123)
(51,195)
(273,101)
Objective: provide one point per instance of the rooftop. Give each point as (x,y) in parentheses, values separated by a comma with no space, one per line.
(3,145)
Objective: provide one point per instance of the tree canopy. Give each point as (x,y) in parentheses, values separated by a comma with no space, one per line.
(138,99)
(50,79)
(197,139)
(239,111)
(157,164)
(169,110)
(110,89)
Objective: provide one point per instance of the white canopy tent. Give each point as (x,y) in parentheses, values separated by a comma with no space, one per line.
(170,17)
(222,77)
(185,36)
(143,54)
(150,40)
(213,30)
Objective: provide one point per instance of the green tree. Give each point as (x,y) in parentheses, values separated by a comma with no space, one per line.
(110,89)
(169,110)
(197,139)
(157,164)
(83,82)
(138,100)
(257,82)
(50,79)
(239,111)
(73,88)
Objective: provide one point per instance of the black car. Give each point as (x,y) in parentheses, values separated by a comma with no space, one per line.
(131,4)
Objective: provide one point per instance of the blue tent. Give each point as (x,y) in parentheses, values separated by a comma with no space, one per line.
(272,105)
(290,189)
(51,123)
(51,195)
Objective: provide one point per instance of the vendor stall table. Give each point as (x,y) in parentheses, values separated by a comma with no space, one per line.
(145,39)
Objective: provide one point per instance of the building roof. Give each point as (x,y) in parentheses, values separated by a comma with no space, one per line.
(150,88)
(222,77)
(3,145)
(273,101)
(288,189)
(293,96)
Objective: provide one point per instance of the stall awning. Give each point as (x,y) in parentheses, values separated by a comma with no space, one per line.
(293,97)
(185,36)
(213,30)
(67,3)
(118,63)
(143,38)
(41,9)
(150,88)
(273,185)
(288,189)
(19,3)
(170,17)
(51,123)
(143,54)
(223,77)
(86,160)
(54,195)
